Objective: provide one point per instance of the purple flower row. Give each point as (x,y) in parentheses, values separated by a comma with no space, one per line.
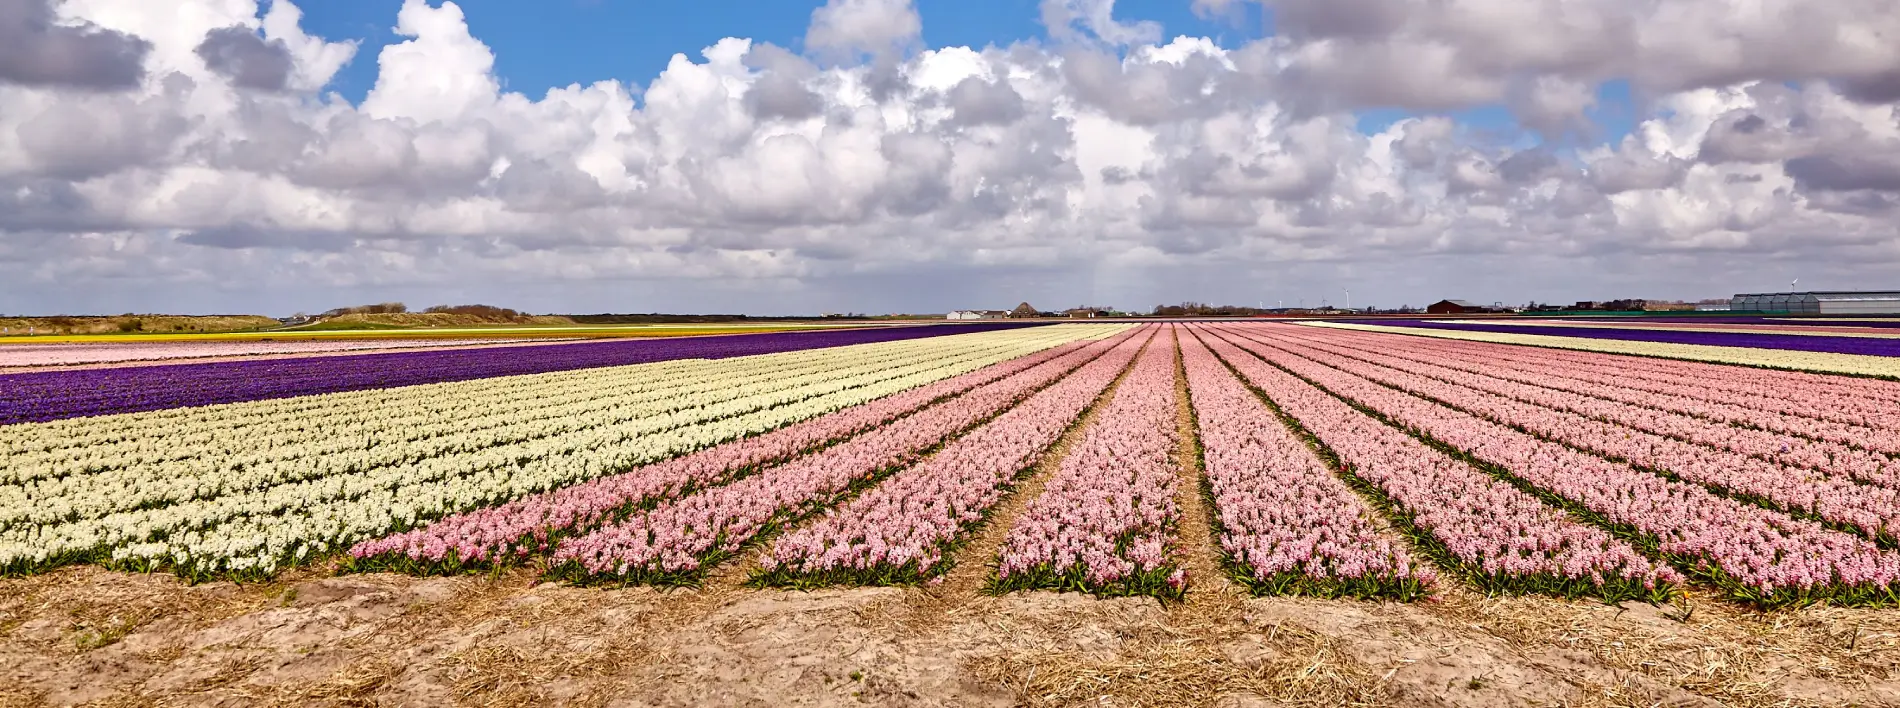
(1105,521)
(53,395)
(22,355)
(1751,433)
(674,541)
(1792,342)
(1777,320)
(1753,553)
(1284,520)
(1874,511)
(1498,536)
(530,525)
(900,531)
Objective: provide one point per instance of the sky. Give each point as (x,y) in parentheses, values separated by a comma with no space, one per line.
(223,156)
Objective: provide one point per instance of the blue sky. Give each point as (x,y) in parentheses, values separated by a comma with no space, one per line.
(557,42)
(560,42)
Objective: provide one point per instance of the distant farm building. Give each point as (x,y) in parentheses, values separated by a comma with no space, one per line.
(1837,302)
(1083,313)
(977,315)
(1025,310)
(1455,307)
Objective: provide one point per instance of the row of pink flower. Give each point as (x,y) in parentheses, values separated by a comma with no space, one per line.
(1875,511)
(527,525)
(1816,419)
(1753,553)
(1500,537)
(1791,385)
(900,530)
(1283,517)
(1855,402)
(678,538)
(1105,519)
(1648,413)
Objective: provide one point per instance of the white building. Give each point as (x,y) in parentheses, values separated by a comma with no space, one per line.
(1820,303)
(976,315)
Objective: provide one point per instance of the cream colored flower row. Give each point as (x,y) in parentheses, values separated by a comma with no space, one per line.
(416,425)
(53,449)
(257,530)
(230,470)
(1860,364)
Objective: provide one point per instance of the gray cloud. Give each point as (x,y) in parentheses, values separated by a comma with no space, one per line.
(1630,170)
(1531,165)
(780,91)
(1847,172)
(979,102)
(84,135)
(246,59)
(36,52)
(240,236)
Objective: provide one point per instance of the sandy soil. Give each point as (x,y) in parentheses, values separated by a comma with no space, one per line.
(89,636)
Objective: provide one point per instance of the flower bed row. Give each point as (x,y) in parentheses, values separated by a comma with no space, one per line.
(1105,521)
(1869,510)
(260,530)
(1753,554)
(1500,538)
(530,526)
(1849,417)
(53,395)
(1791,342)
(1656,413)
(676,541)
(1800,362)
(902,530)
(1285,523)
(22,355)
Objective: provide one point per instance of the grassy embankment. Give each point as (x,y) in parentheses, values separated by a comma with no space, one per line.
(132,324)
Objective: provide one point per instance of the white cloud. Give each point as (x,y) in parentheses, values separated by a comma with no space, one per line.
(871,26)
(1068,19)
(1108,168)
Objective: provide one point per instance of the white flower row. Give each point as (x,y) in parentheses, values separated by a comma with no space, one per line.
(1860,364)
(259,529)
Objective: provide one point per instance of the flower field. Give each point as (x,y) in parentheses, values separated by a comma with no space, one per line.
(1331,461)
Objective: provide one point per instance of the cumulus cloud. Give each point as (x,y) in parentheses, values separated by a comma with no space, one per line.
(37,50)
(248,60)
(869,172)
(845,27)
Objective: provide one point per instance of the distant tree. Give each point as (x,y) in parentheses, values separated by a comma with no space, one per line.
(487,312)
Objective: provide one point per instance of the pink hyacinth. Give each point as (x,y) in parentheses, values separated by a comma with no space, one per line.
(1757,552)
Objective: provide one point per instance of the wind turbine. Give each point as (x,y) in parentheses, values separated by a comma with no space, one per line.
(1791,284)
